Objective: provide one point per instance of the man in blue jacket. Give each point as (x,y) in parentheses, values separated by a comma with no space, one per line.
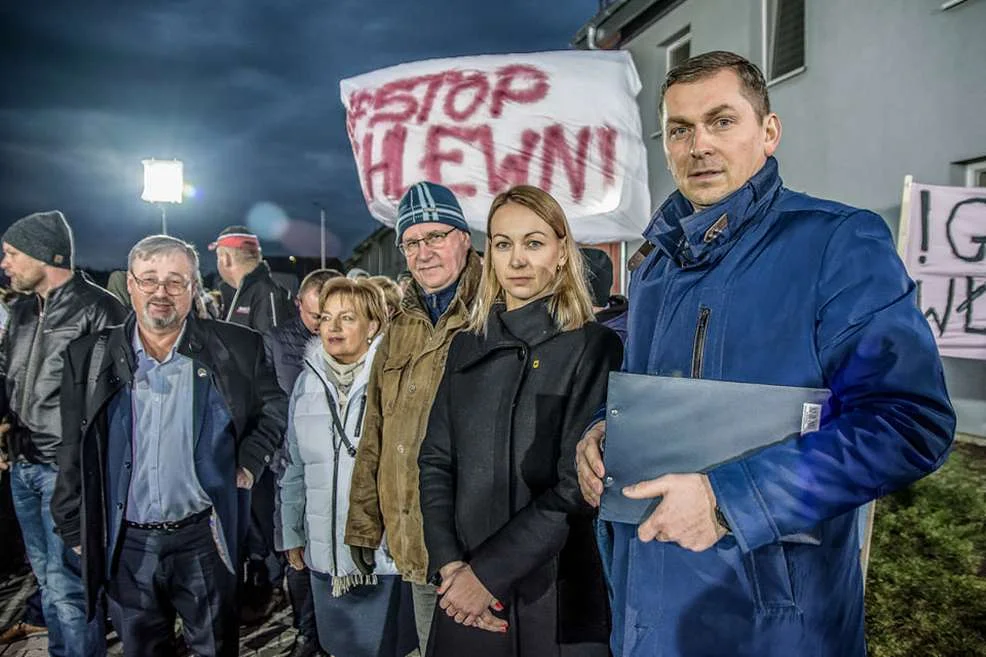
(748,281)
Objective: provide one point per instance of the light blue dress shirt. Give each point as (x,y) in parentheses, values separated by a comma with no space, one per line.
(163,485)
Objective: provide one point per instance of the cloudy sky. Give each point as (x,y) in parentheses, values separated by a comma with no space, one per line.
(245,92)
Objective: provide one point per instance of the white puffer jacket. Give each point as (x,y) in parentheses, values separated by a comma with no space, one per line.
(315,486)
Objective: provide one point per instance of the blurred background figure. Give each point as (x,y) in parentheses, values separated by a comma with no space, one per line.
(117,286)
(610,309)
(285,347)
(261,304)
(392,294)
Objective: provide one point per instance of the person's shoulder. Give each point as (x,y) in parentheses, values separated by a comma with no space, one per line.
(824,220)
(290,329)
(599,336)
(84,343)
(99,298)
(229,333)
(465,346)
(819,208)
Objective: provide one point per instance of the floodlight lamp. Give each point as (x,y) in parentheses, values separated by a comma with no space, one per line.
(163,181)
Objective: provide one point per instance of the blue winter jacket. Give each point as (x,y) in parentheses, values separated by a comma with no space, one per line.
(775,287)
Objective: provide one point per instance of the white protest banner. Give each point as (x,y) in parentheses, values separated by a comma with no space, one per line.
(566,122)
(943,244)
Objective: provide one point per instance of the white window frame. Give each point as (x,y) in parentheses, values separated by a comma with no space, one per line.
(972,172)
(765,32)
(674,45)
(668,49)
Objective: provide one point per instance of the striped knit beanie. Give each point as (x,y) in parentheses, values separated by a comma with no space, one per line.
(427,202)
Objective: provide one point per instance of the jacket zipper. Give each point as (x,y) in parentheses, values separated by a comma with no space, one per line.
(335,488)
(232,304)
(362,411)
(31,361)
(698,347)
(337,451)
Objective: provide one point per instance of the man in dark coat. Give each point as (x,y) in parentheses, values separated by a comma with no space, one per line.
(259,303)
(285,347)
(58,305)
(164,418)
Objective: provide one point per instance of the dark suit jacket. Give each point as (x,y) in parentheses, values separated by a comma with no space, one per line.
(232,381)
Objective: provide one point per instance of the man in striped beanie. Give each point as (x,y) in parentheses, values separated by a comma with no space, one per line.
(433,235)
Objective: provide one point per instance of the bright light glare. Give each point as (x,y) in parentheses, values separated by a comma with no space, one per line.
(190,191)
(163,181)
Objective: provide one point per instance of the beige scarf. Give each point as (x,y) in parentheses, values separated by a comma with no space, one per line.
(342,375)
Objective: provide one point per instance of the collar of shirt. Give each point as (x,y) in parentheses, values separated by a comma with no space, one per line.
(142,354)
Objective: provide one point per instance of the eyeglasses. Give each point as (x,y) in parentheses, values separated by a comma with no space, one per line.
(431,240)
(173,286)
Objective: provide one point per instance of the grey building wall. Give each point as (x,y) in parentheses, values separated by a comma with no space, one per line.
(891,87)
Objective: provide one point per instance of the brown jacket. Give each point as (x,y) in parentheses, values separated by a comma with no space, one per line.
(406,372)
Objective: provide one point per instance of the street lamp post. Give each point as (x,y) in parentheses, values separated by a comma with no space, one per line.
(321,214)
(164,182)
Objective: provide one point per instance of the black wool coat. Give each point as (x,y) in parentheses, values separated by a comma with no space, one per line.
(498,483)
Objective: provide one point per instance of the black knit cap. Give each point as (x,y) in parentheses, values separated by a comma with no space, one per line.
(599,275)
(45,236)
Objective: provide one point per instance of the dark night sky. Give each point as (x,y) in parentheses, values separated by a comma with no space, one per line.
(246,93)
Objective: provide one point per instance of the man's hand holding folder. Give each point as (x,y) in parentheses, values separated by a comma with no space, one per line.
(686,514)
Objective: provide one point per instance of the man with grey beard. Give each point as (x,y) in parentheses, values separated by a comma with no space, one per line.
(166,416)
(57,306)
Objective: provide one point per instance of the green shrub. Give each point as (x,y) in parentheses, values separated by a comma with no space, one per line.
(926,587)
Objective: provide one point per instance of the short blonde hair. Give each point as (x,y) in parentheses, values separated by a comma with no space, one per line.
(367,298)
(242,255)
(571,303)
(391,293)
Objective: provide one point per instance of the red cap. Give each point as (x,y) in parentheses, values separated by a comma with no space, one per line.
(236,241)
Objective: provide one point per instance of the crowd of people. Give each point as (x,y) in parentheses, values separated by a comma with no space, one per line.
(417,461)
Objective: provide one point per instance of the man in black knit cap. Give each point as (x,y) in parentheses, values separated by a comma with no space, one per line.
(57,306)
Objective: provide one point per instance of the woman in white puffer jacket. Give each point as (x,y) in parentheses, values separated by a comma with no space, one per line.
(357,615)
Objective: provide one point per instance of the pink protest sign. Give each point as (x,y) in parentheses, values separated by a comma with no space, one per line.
(943,244)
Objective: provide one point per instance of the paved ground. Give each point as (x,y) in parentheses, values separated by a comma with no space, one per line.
(272,639)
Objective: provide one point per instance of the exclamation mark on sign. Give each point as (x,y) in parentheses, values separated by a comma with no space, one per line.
(925,212)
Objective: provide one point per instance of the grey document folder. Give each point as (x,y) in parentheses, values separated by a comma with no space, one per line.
(657,425)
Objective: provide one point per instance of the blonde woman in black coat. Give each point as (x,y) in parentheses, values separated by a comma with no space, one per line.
(509,537)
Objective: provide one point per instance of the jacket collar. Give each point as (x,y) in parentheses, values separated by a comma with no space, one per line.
(73,286)
(120,346)
(468,285)
(691,239)
(314,360)
(260,272)
(529,326)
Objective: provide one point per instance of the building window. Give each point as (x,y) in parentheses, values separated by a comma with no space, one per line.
(975,173)
(783,23)
(679,51)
